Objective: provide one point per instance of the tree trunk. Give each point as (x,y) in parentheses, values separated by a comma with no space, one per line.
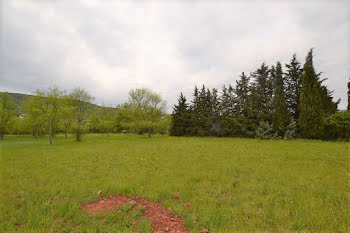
(149,132)
(78,133)
(65,131)
(50,122)
(1,136)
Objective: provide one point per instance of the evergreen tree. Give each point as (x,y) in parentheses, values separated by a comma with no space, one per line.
(311,109)
(243,111)
(194,113)
(329,106)
(215,117)
(293,86)
(180,118)
(227,111)
(261,95)
(241,92)
(280,118)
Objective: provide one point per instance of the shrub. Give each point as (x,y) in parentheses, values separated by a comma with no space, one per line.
(338,126)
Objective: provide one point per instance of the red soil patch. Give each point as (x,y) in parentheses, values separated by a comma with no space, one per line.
(161,219)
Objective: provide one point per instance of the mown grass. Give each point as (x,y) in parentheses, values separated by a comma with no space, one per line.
(232,184)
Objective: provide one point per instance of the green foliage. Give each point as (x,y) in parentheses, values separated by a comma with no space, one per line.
(143,111)
(7,112)
(79,100)
(328,105)
(280,118)
(265,131)
(181,117)
(293,78)
(292,131)
(349,95)
(338,126)
(102,120)
(311,110)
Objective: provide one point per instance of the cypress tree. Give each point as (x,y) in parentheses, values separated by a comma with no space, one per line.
(180,118)
(311,109)
(280,118)
(293,86)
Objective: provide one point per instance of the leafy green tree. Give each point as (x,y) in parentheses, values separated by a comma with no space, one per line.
(80,101)
(280,118)
(311,110)
(102,120)
(66,114)
(181,121)
(52,101)
(7,112)
(349,95)
(293,77)
(143,111)
(34,108)
(338,126)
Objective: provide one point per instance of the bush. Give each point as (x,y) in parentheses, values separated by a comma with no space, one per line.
(338,126)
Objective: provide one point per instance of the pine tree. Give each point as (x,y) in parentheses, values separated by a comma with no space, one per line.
(311,109)
(280,118)
(261,95)
(241,92)
(194,113)
(293,86)
(215,118)
(227,112)
(180,118)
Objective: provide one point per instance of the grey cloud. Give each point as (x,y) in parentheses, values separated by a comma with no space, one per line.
(111,47)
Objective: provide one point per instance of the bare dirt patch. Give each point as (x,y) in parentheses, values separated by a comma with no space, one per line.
(161,219)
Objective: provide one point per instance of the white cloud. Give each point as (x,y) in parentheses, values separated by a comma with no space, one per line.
(110,47)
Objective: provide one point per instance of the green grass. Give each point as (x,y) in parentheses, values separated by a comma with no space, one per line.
(232,184)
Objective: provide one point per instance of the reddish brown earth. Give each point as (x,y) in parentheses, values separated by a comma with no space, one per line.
(161,219)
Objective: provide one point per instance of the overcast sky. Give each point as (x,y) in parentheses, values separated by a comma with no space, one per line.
(110,47)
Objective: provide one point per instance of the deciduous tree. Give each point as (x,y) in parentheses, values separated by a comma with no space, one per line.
(144,110)
(7,112)
(80,101)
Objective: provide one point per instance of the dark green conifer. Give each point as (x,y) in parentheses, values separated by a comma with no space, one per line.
(311,110)
(180,118)
(280,117)
(293,77)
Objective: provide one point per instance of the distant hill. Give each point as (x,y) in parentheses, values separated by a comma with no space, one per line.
(19,98)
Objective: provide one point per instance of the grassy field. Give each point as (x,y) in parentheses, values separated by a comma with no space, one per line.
(233,184)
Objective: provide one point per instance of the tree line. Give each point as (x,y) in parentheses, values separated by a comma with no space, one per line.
(268,103)
(53,111)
